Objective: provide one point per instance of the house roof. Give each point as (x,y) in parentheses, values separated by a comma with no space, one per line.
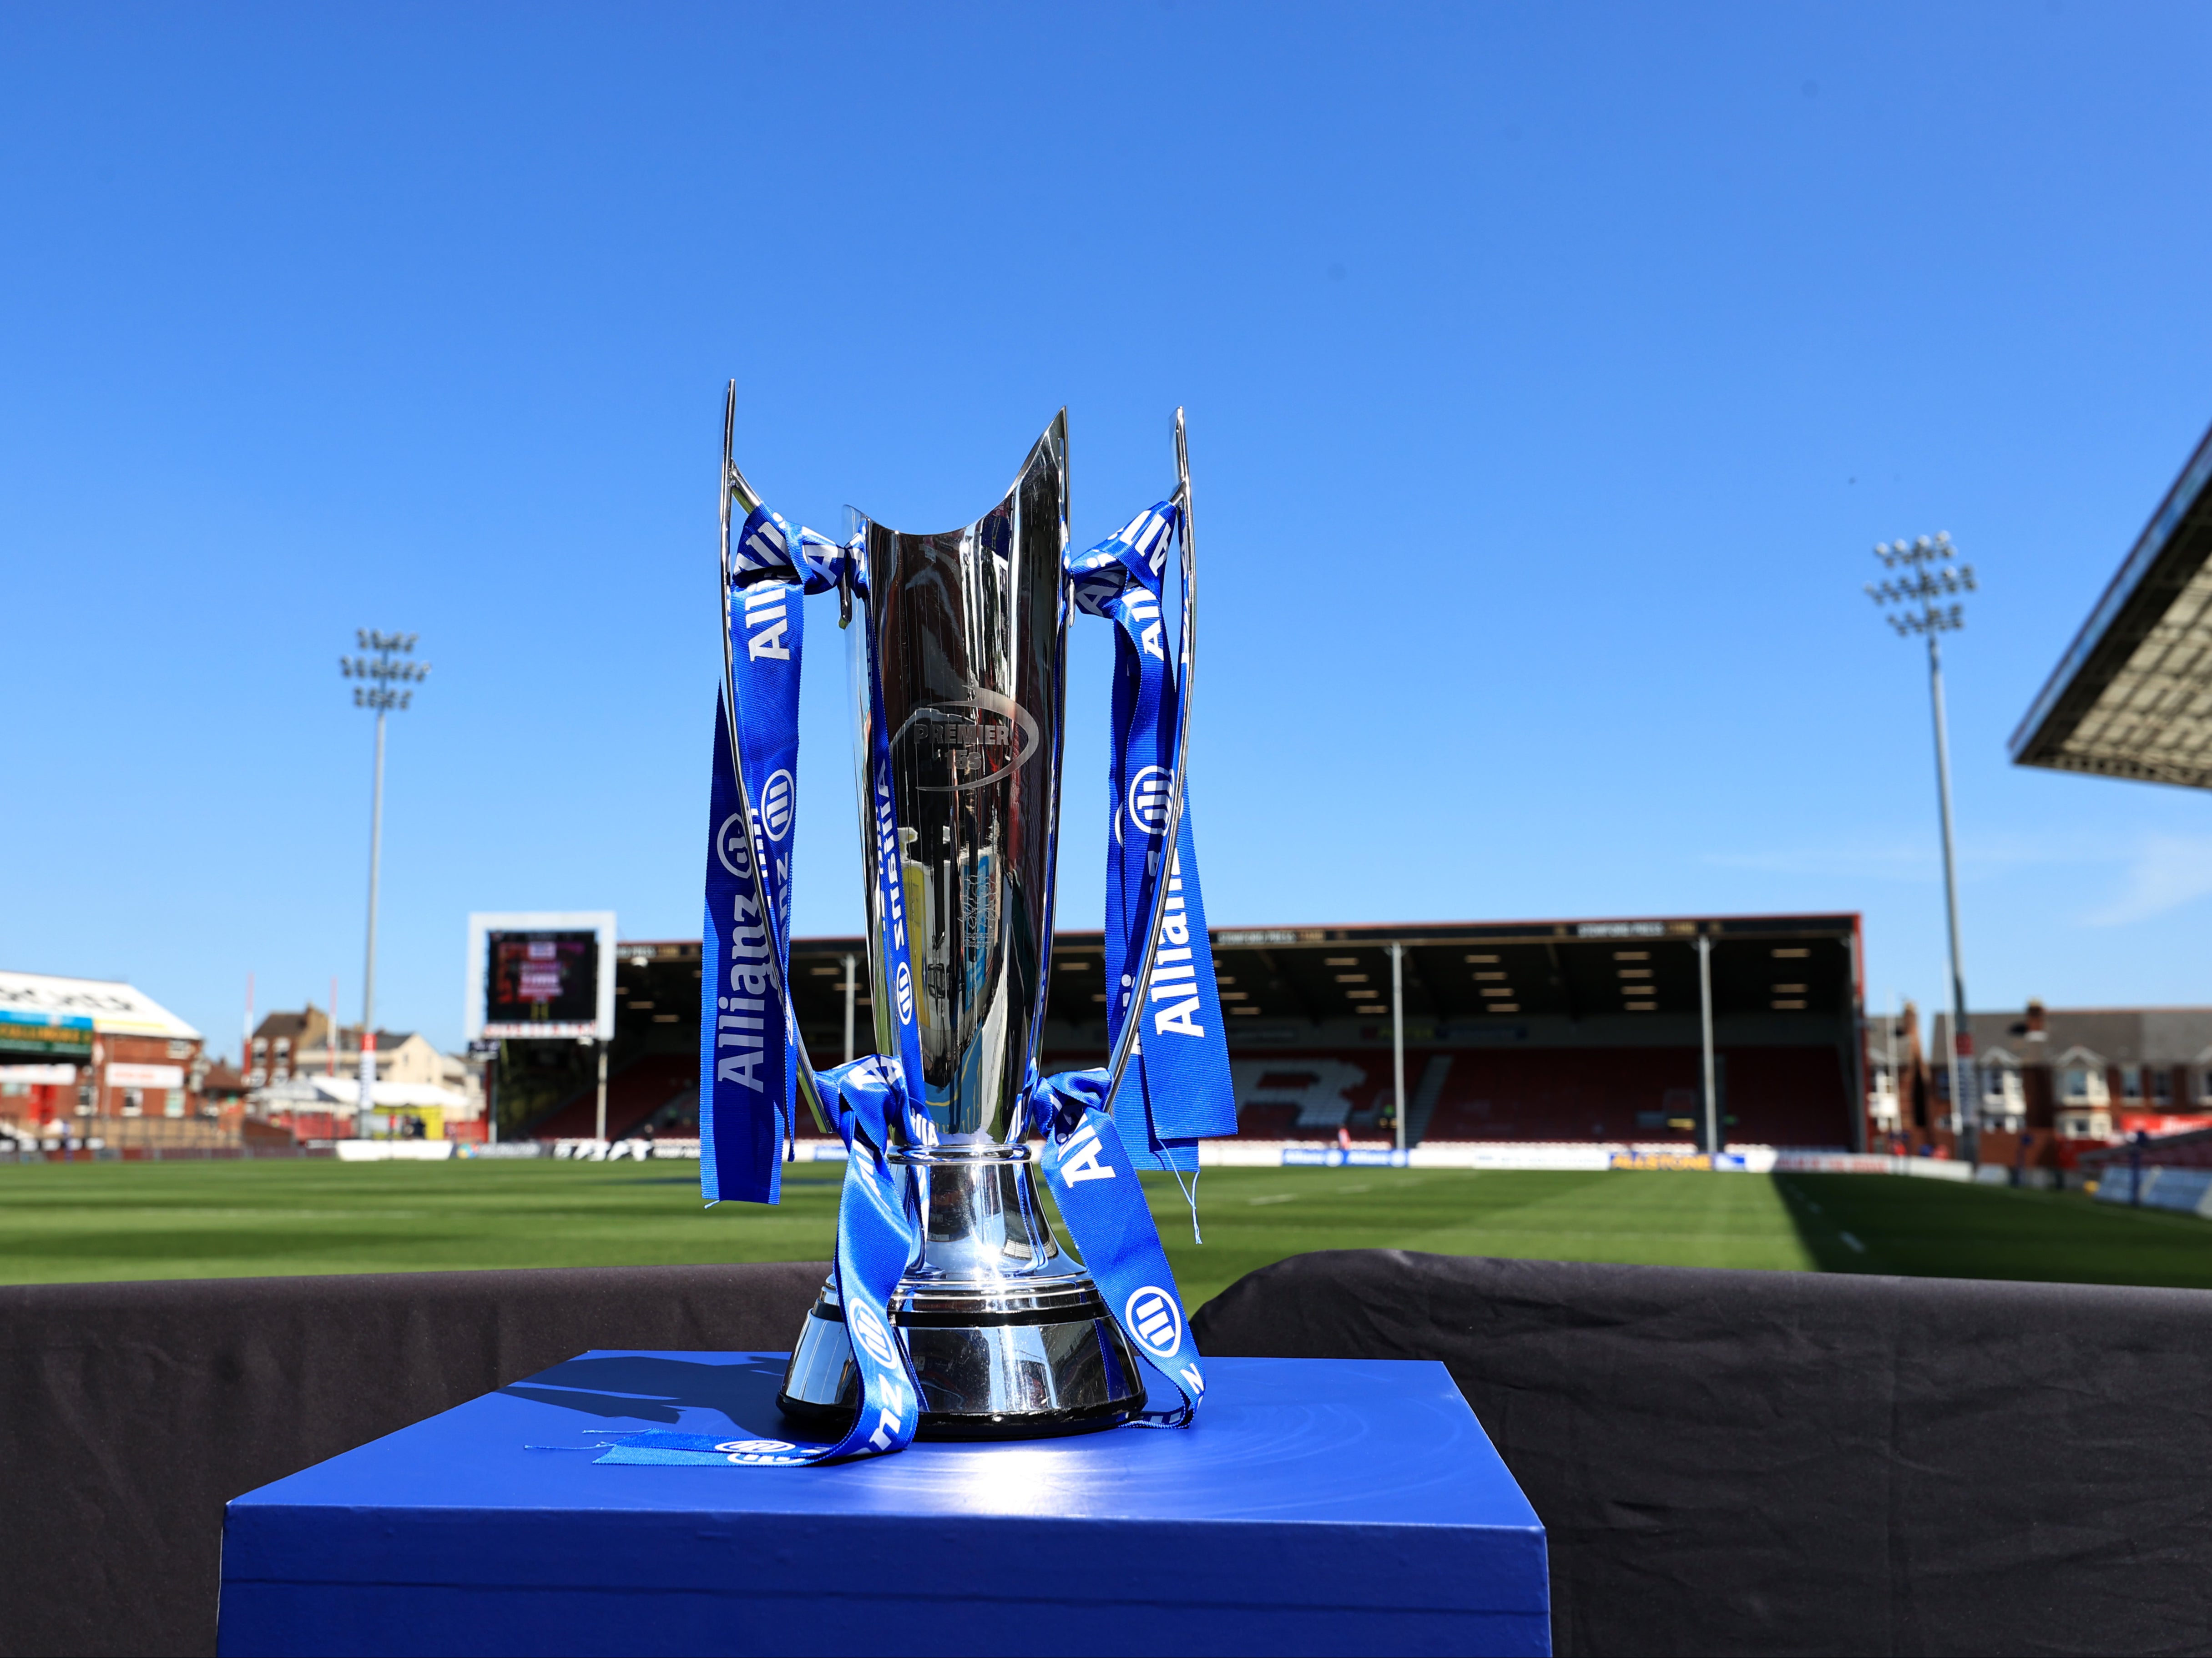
(349,1038)
(2111,1035)
(291,1026)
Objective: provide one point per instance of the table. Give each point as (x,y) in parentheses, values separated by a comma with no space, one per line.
(1318,1505)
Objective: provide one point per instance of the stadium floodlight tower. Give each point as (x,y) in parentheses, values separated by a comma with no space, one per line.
(1925,595)
(385,676)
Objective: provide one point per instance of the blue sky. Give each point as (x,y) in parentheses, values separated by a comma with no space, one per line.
(1551,372)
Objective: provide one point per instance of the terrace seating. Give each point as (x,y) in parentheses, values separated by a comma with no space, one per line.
(1777,1096)
(635,1093)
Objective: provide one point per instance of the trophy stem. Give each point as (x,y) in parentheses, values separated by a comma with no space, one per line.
(1008,1335)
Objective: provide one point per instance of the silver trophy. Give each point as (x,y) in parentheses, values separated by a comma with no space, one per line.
(1008,1334)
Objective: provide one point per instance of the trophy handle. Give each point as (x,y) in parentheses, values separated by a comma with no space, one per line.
(1127,1044)
(735,487)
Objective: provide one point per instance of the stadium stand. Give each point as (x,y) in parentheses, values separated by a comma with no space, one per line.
(636,1093)
(1518,1031)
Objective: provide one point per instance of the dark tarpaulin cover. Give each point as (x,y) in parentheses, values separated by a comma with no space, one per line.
(1725,1461)
(130,1414)
(1731,1461)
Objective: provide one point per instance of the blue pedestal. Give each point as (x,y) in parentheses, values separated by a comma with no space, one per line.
(1319,1505)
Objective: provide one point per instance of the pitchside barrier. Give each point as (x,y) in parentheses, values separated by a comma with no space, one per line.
(99,1151)
(1296,1154)
(2188,1190)
(1253,1154)
(1724,1461)
(1319,1154)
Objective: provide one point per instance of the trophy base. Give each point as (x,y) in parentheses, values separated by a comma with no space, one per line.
(991,1365)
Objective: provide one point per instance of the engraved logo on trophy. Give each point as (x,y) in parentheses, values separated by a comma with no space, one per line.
(963,743)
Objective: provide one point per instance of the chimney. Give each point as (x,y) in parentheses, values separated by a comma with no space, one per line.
(2035,1030)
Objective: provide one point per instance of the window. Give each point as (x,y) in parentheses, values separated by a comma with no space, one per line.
(2161,1086)
(2131,1081)
(2004,1103)
(2080,1085)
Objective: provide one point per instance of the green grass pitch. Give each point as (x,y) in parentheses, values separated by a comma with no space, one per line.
(80,1221)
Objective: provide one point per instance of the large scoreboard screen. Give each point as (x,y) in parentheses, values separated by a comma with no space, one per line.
(541,976)
(540,981)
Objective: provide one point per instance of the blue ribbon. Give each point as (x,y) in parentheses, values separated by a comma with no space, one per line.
(1094,1180)
(747,1074)
(1182,1067)
(1179,1081)
(876,1233)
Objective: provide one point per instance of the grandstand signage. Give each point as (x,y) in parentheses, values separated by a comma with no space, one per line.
(106,1006)
(1676,1162)
(541,974)
(58,1038)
